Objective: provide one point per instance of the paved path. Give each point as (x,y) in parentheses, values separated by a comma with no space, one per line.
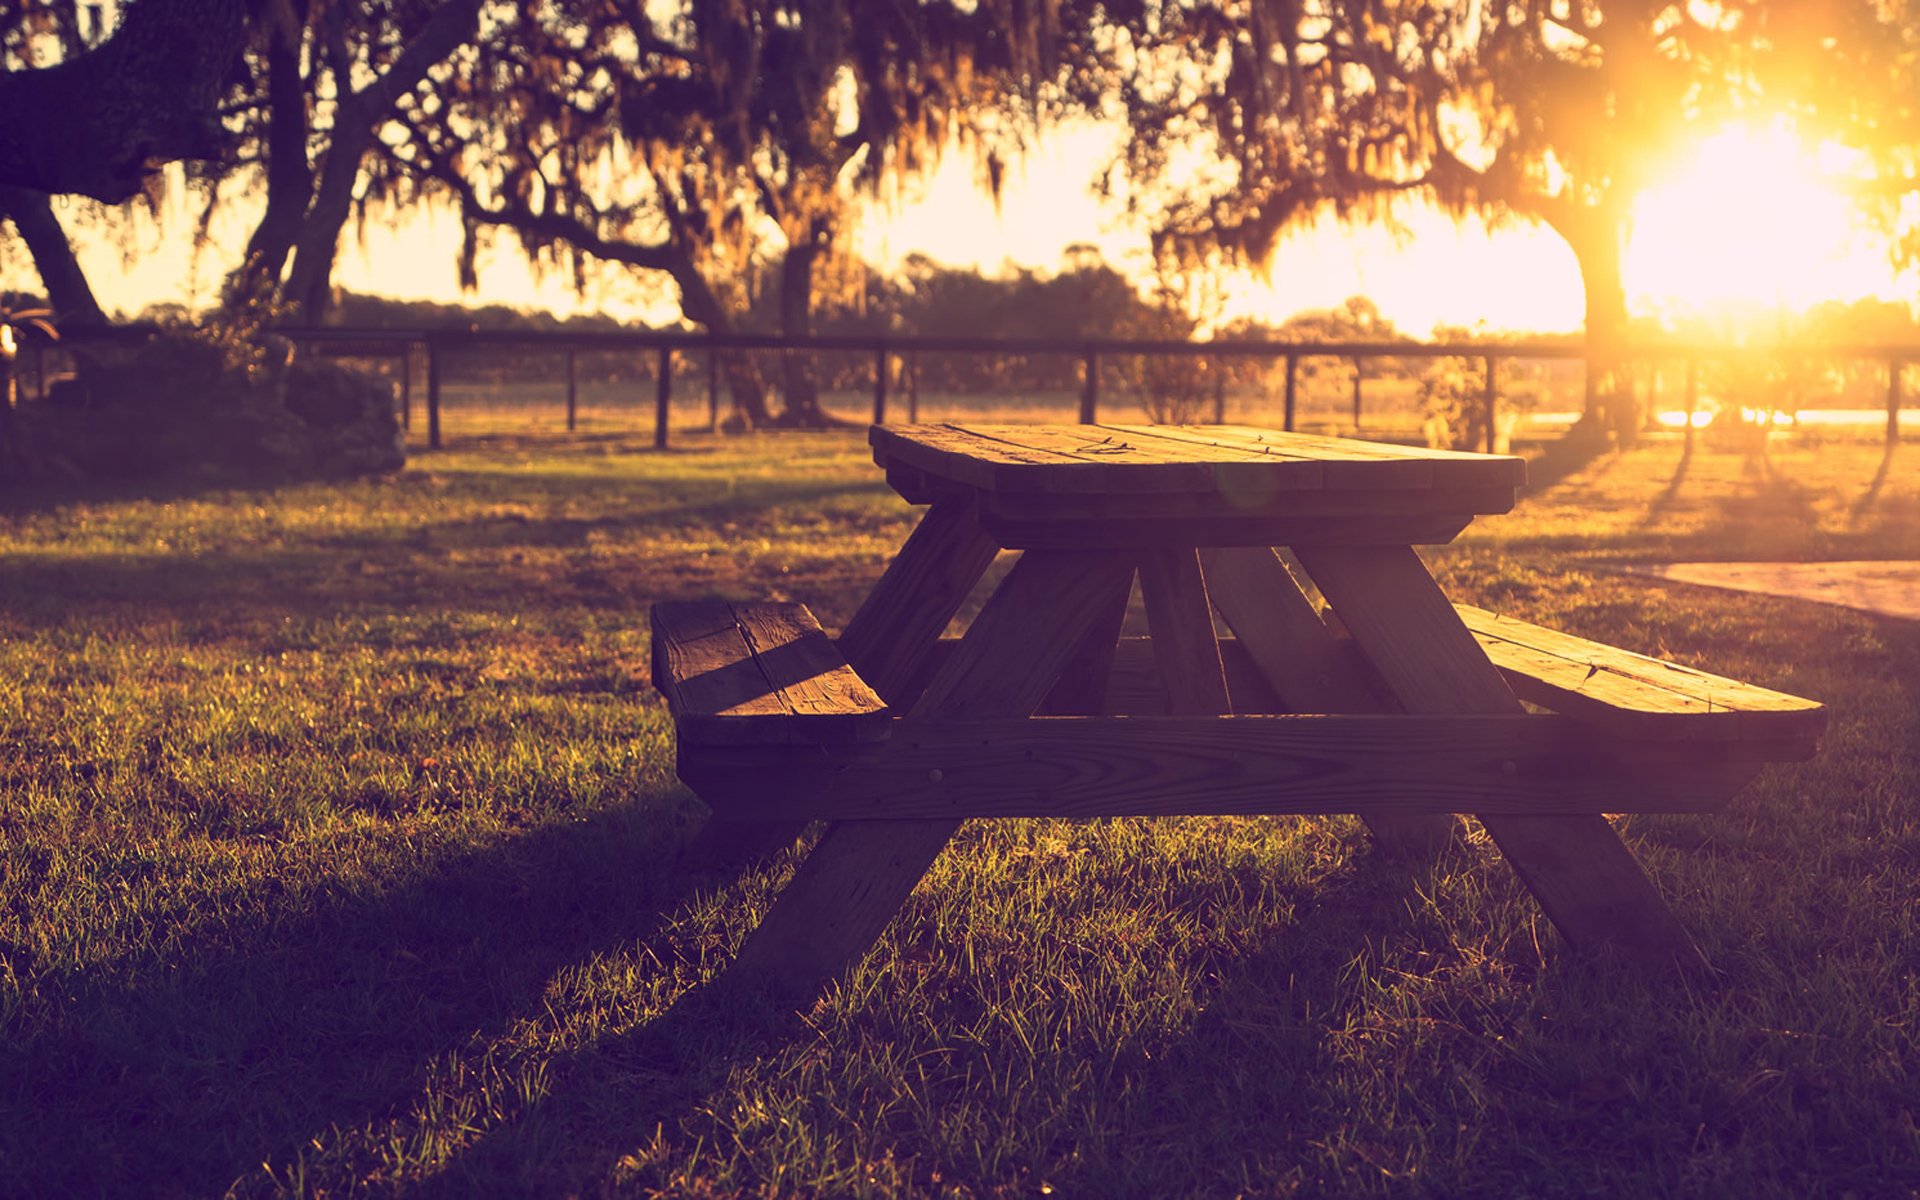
(1889,588)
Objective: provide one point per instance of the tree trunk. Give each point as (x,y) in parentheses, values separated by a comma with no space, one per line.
(289,175)
(309,290)
(356,119)
(68,294)
(699,304)
(796,321)
(1612,411)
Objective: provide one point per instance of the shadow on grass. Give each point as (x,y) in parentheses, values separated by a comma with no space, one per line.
(1663,503)
(1871,495)
(1238,1084)
(182,1076)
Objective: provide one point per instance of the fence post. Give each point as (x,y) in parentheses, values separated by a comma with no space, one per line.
(713,385)
(880,385)
(913,387)
(1896,369)
(1491,364)
(406,386)
(433,395)
(1356,393)
(1293,378)
(1090,388)
(1219,395)
(573,388)
(662,398)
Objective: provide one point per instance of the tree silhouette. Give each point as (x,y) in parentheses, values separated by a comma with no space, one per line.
(101,122)
(697,139)
(1556,112)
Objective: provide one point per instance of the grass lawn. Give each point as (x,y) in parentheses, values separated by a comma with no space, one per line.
(337,839)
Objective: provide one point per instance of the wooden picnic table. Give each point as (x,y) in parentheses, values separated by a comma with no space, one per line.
(1394,703)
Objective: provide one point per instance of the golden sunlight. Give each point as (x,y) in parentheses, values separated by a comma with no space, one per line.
(1746,231)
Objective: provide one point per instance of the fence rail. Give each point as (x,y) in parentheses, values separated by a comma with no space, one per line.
(435,344)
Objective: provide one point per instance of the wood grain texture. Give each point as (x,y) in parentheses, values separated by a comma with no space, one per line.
(1181,623)
(1245,503)
(1086,682)
(1184,533)
(1069,459)
(1381,766)
(1583,875)
(889,638)
(1639,696)
(860,872)
(1310,669)
(758,674)
(891,635)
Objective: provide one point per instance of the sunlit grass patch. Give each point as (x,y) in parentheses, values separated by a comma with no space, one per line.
(337,829)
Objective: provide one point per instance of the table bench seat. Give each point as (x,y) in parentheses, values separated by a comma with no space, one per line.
(760,674)
(1637,697)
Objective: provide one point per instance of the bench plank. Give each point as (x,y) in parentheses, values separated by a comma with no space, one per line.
(759,674)
(1383,767)
(1634,695)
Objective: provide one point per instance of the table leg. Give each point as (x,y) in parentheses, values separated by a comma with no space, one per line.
(887,643)
(1305,664)
(1081,690)
(1576,866)
(1181,622)
(860,872)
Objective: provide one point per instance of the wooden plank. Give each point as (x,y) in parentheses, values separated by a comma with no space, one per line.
(1389,767)
(1634,694)
(1179,533)
(1584,877)
(1243,505)
(1453,468)
(1125,459)
(886,642)
(896,627)
(758,674)
(860,872)
(1181,622)
(1310,669)
(1086,681)
(952,453)
(1341,462)
(1133,685)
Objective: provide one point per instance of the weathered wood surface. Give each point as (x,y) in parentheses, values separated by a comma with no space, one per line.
(1584,877)
(896,627)
(1184,533)
(1383,767)
(1638,696)
(860,872)
(1085,686)
(1138,458)
(1310,669)
(887,643)
(1181,622)
(1194,508)
(758,674)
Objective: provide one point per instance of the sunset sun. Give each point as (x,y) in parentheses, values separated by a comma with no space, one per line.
(1747,228)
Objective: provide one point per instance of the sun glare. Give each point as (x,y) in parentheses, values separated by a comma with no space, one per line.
(1746,231)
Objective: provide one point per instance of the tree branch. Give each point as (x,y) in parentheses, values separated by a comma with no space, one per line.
(102,123)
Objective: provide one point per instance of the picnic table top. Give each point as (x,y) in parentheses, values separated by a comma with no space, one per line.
(1191,459)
